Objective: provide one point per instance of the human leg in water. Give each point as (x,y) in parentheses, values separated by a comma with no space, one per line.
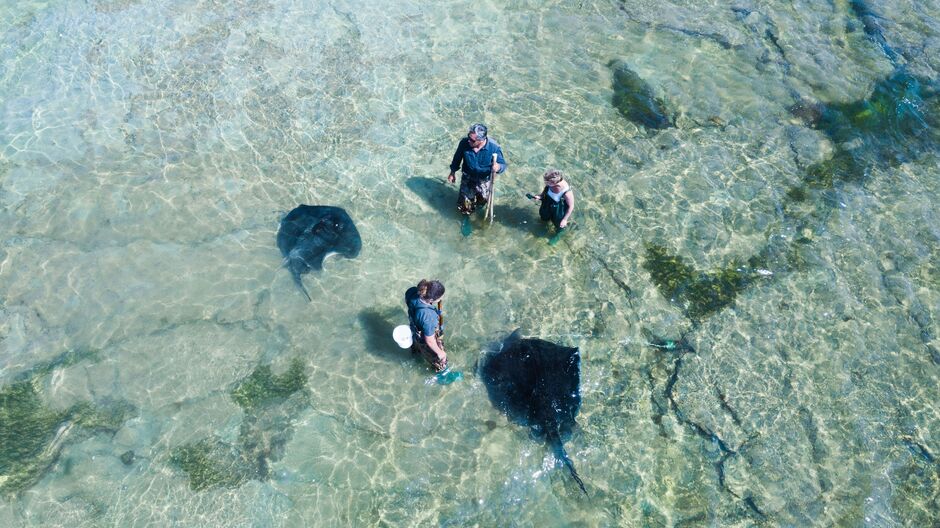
(465,227)
(445,377)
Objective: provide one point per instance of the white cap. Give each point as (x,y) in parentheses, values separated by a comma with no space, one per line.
(402,335)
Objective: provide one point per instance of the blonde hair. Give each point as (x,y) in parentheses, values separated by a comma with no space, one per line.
(553,176)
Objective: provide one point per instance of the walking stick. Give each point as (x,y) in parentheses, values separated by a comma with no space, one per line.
(489,203)
(448,375)
(440,319)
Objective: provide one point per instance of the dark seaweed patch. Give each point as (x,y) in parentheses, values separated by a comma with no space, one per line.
(699,293)
(211,463)
(32,434)
(263,387)
(897,123)
(27,427)
(270,402)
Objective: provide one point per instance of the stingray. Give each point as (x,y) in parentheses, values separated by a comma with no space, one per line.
(537,384)
(310,233)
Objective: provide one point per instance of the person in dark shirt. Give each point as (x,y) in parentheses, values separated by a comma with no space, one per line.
(424,315)
(475,158)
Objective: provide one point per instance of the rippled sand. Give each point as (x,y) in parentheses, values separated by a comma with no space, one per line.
(149,149)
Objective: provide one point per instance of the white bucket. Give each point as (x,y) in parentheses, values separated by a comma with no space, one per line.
(402,336)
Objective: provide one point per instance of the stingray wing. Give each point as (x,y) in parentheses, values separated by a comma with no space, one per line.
(536,383)
(558,387)
(293,226)
(317,230)
(342,233)
(509,383)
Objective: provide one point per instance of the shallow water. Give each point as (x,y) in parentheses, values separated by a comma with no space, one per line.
(149,149)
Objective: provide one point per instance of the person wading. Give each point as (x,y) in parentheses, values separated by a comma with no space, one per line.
(424,315)
(474,157)
(557,202)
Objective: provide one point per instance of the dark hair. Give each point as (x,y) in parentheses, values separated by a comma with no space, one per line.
(429,290)
(479,129)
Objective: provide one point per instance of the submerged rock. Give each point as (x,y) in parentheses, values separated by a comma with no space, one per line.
(897,123)
(897,120)
(270,402)
(263,387)
(700,293)
(872,26)
(32,434)
(211,463)
(634,98)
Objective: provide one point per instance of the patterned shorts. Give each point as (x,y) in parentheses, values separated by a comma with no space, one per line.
(474,192)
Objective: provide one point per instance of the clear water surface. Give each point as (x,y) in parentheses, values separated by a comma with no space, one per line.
(148,150)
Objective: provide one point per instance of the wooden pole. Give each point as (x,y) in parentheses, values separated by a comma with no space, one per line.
(489,203)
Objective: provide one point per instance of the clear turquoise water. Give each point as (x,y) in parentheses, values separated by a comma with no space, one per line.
(149,149)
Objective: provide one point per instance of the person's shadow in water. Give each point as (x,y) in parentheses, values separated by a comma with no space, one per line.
(525,219)
(436,193)
(377,327)
(443,197)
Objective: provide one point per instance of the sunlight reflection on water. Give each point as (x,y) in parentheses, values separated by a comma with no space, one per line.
(148,151)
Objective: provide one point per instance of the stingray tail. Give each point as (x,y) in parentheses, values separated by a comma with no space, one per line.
(563,456)
(300,285)
(293,271)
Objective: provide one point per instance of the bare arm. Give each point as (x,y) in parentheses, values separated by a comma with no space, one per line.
(431,342)
(457,160)
(569,199)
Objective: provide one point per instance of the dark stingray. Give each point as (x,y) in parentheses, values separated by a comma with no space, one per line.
(311,232)
(537,384)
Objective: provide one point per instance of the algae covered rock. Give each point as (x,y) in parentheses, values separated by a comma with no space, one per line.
(32,434)
(699,293)
(271,402)
(211,463)
(263,387)
(897,123)
(635,100)
(897,120)
(918,492)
